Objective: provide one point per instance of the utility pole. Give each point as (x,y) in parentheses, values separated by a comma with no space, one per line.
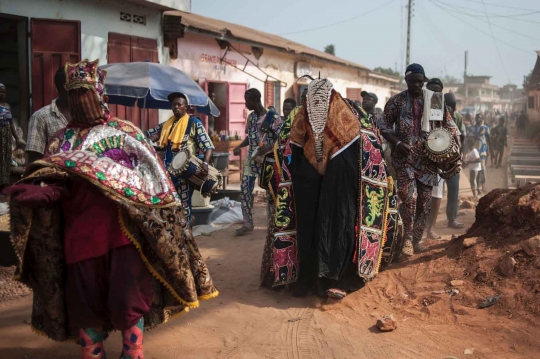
(409,18)
(465,70)
(464,78)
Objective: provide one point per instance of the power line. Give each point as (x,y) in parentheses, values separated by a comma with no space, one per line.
(477,29)
(339,22)
(509,17)
(450,8)
(496,44)
(502,6)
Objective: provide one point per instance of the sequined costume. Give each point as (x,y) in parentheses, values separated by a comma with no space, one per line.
(337,223)
(196,139)
(416,175)
(252,168)
(99,230)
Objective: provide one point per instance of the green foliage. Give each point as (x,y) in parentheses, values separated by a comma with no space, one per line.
(330,49)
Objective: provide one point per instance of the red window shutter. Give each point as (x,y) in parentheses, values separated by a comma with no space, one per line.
(354,94)
(269,93)
(54,42)
(126,48)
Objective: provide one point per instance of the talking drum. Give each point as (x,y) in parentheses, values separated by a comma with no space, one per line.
(442,149)
(189,167)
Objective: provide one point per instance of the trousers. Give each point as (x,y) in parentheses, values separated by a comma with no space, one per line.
(414,209)
(481,176)
(452,196)
(247,186)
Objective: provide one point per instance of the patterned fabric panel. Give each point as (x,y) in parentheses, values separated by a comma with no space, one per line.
(374,199)
(115,156)
(285,258)
(370,252)
(285,218)
(373,164)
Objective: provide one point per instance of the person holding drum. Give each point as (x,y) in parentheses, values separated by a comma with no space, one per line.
(416,173)
(179,133)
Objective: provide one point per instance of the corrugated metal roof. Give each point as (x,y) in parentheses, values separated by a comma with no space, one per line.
(230,31)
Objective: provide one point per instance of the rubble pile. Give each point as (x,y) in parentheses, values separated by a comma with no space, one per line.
(500,254)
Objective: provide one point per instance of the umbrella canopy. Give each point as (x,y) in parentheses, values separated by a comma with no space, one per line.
(148,84)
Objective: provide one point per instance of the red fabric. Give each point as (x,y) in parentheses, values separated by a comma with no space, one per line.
(112,289)
(34,195)
(91,221)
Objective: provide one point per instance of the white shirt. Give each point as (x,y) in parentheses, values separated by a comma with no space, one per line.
(473,155)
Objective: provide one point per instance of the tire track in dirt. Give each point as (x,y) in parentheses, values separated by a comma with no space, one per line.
(263,330)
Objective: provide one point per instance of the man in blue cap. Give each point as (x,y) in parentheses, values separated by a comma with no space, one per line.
(401,126)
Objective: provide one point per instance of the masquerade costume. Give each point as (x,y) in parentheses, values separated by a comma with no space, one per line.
(100,232)
(339,211)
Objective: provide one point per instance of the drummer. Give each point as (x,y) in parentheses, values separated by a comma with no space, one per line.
(179,132)
(415,178)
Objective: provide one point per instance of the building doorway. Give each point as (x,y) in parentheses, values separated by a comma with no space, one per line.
(14,66)
(217,91)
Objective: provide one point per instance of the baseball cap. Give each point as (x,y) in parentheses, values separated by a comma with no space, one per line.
(370,94)
(414,69)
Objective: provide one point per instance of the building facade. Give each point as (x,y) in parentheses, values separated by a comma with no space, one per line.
(71,30)
(532,91)
(227,59)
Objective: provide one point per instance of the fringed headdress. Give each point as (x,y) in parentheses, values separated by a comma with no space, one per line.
(85,84)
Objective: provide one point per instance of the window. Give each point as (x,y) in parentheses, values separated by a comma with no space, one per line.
(531,102)
(273,95)
(354,94)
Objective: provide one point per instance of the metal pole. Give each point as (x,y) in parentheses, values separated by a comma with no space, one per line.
(143,115)
(465,70)
(409,17)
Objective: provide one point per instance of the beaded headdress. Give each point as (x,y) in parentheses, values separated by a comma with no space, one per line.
(87,107)
(85,74)
(318,103)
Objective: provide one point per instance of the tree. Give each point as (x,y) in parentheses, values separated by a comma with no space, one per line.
(526,79)
(450,80)
(330,49)
(387,71)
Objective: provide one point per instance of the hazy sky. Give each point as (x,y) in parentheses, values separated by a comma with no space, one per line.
(441,31)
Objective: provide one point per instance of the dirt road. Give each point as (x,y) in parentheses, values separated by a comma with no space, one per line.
(246,322)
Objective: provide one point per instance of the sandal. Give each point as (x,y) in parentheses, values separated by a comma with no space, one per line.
(455,224)
(408,249)
(242,231)
(433,235)
(336,293)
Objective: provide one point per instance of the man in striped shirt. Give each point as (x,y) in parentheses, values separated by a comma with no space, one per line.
(47,121)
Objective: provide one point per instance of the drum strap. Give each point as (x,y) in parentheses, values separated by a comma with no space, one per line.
(188,130)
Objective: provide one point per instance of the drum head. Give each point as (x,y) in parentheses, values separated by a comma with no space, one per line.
(439,140)
(179,160)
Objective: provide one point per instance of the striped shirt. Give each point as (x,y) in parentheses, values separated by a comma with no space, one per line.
(43,124)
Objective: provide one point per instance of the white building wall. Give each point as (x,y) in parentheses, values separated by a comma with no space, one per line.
(199,57)
(97,17)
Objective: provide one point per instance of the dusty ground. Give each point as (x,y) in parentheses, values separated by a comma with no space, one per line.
(247,322)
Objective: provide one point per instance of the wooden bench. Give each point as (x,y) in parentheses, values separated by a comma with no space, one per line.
(522,180)
(524,160)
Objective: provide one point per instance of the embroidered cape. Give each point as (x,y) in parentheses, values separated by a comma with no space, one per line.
(114,157)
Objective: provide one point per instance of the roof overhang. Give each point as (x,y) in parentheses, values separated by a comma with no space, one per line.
(164,5)
(225,31)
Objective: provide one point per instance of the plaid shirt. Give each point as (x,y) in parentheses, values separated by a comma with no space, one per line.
(43,124)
